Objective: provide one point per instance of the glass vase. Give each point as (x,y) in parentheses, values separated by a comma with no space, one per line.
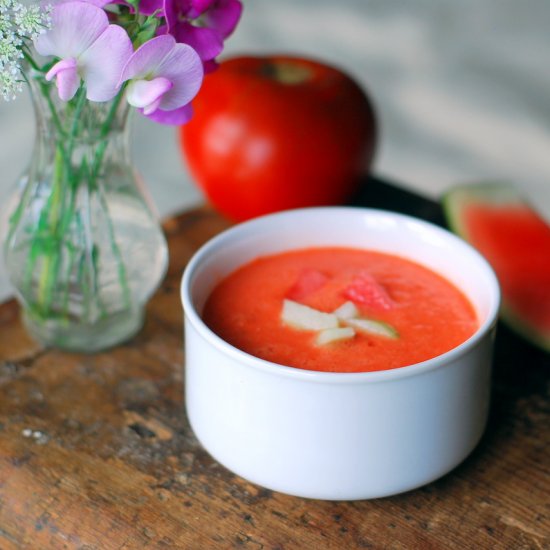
(83,249)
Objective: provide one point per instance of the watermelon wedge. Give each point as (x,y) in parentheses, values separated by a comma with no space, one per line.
(515,240)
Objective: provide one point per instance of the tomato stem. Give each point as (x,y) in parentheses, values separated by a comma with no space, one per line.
(286,73)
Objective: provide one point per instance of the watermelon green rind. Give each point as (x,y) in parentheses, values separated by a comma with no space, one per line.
(455,200)
(454,203)
(524,328)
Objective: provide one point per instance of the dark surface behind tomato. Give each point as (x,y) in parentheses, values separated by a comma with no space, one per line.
(275,133)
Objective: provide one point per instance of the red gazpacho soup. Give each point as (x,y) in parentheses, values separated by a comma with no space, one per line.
(339,310)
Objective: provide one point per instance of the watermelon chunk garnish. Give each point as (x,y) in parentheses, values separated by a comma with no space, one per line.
(365,290)
(515,240)
(308,282)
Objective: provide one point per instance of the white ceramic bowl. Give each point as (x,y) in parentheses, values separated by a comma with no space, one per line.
(338,436)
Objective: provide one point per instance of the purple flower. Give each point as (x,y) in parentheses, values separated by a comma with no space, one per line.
(89,49)
(203,24)
(148,7)
(164,77)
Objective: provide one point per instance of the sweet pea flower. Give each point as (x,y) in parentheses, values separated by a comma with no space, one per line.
(203,24)
(164,77)
(89,49)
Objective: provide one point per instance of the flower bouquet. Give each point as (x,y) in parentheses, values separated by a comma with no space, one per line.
(82,248)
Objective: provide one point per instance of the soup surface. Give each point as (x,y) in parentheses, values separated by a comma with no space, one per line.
(424,313)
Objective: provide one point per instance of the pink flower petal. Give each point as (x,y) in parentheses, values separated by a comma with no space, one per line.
(175,117)
(66,77)
(183,67)
(98,3)
(75,27)
(151,108)
(142,93)
(102,63)
(163,57)
(64,64)
(146,58)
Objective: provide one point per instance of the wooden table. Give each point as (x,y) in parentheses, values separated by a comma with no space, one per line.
(96,452)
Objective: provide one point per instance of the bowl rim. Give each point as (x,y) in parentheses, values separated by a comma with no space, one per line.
(273,368)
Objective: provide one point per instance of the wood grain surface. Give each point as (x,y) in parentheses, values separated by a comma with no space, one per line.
(96,452)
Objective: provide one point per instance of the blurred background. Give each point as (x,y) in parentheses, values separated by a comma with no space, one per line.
(462,92)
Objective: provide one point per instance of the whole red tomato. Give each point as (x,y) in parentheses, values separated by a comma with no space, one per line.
(275,133)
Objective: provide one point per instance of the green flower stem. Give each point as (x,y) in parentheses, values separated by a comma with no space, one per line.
(121,268)
(29,59)
(69,215)
(97,163)
(80,101)
(58,215)
(103,134)
(16,216)
(50,252)
(58,126)
(45,89)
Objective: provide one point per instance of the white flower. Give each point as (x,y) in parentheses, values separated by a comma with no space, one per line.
(18,25)
(6,24)
(10,81)
(6,5)
(31,21)
(9,49)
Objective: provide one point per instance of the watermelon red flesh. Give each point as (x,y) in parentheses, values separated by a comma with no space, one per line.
(516,242)
(308,282)
(365,290)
